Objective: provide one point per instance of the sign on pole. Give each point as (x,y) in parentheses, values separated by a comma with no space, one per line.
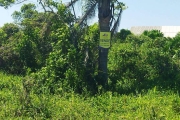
(105,38)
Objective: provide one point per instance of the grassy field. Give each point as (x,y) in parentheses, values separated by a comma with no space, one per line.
(151,105)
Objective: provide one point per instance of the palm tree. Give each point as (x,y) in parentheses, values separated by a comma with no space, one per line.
(106,11)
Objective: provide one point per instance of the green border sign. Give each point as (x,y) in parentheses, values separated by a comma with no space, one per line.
(105,38)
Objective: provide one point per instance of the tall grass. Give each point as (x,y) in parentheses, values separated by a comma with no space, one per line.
(10,91)
(151,105)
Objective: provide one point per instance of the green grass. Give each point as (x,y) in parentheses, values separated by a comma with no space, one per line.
(152,105)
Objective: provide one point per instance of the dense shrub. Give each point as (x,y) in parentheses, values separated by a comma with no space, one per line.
(70,68)
(140,63)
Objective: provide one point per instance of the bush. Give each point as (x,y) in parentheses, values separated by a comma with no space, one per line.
(141,63)
(70,67)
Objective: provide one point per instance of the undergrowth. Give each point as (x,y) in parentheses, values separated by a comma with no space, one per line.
(150,105)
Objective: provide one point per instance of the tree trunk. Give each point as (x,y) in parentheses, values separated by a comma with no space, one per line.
(104,21)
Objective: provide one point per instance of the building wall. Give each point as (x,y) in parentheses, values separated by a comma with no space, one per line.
(168,31)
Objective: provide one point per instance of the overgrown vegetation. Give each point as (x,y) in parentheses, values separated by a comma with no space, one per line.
(140,62)
(50,70)
(17,102)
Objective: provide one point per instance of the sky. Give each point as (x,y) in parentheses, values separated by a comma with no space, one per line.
(138,13)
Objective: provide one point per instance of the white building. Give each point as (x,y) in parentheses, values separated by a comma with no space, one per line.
(168,31)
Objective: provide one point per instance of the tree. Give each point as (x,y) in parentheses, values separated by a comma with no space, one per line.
(10,29)
(80,72)
(106,10)
(122,35)
(68,38)
(9,3)
(6,3)
(3,36)
(105,15)
(153,34)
